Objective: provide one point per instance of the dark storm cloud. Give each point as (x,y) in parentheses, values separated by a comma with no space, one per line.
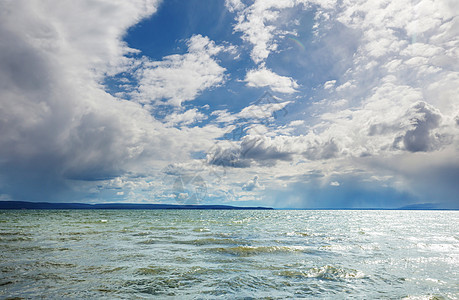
(423,120)
(55,123)
(258,149)
(263,149)
(229,157)
(326,150)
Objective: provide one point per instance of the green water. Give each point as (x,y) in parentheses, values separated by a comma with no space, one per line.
(207,254)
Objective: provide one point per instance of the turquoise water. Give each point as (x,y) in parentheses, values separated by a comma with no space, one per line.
(207,254)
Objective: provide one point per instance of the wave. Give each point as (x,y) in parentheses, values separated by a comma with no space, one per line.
(14,233)
(210,241)
(297,233)
(427,297)
(152,270)
(201,229)
(12,238)
(254,250)
(327,272)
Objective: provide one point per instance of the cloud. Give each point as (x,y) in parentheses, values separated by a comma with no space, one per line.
(263,110)
(56,121)
(256,24)
(178,78)
(252,185)
(251,149)
(234,5)
(393,102)
(329,84)
(384,102)
(426,176)
(227,155)
(353,192)
(321,150)
(423,119)
(390,95)
(379,116)
(263,77)
(266,149)
(188,117)
(63,135)
(223,116)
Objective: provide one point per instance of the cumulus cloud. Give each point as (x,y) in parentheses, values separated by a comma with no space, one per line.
(56,121)
(253,185)
(258,149)
(178,78)
(227,155)
(188,117)
(255,23)
(384,102)
(260,26)
(62,133)
(263,77)
(266,149)
(234,5)
(397,100)
(263,110)
(395,97)
(317,150)
(383,114)
(423,119)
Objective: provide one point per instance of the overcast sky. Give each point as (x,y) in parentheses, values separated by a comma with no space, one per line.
(285,103)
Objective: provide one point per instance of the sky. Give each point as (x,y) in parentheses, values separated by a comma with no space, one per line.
(286,103)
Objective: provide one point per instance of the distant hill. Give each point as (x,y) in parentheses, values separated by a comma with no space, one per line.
(420,206)
(47,205)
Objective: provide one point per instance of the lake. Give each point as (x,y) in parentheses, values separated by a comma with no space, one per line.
(208,254)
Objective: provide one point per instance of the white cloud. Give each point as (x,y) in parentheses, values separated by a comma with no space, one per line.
(263,77)
(252,185)
(393,115)
(395,98)
(188,117)
(329,84)
(296,123)
(256,24)
(62,134)
(57,122)
(234,5)
(178,78)
(262,110)
(223,116)
(389,90)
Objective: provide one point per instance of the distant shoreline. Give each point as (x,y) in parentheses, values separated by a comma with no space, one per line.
(18,205)
(48,205)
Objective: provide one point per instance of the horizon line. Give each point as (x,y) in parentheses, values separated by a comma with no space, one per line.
(18,205)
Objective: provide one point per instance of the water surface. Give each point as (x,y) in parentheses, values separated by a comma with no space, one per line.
(206,254)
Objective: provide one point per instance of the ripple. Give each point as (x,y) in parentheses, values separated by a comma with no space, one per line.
(152,270)
(196,254)
(210,241)
(326,273)
(255,250)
